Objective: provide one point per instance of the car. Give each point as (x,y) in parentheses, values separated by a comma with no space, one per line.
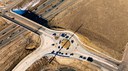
(62,53)
(54,6)
(84,57)
(66,53)
(67,48)
(71,54)
(63,34)
(53,44)
(67,37)
(58,46)
(72,41)
(53,52)
(81,57)
(90,59)
(3,33)
(59,52)
(59,41)
(49,9)
(54,34)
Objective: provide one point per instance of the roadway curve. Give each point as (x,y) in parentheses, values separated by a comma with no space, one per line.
(41,51)
(48,38)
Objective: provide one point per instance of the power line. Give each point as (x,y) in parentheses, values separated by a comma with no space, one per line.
(65,43)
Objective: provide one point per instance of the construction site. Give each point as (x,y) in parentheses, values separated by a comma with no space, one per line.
(104,29)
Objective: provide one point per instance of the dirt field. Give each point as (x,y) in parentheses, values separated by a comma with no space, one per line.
(105,23)
(5,2)
(12,53)
(1,4)
(105,28)
(62,64)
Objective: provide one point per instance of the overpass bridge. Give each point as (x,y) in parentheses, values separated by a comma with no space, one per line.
(61,43)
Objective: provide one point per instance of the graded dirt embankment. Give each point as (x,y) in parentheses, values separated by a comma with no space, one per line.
(61,64)
(105,23)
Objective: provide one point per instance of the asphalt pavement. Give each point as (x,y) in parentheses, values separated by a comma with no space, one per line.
(50,41)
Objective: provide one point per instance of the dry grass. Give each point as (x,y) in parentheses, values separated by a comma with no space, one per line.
(60,63)
(15,51)
(104,23)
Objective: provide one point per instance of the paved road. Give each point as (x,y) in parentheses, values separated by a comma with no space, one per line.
(46,47)
(50,43)
(36,5)
(36,55)
(11,36)
(58,9)
(7,30)
(45,4)
(32,3)
(19,19)
(124,65)
(10,33)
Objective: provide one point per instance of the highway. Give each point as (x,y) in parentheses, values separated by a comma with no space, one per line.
(34,7)
(6,30)
(20,19)
(45,4)
(10,33)
(49,33)
(58,9)
(4,25)
(52,41)
(32,3)
(51,7)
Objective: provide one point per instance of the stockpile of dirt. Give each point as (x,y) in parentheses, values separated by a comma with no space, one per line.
(12,53)
(1,4)
(105,23)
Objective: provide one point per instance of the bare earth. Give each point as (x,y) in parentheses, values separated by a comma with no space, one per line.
(61,64)
(105,23)
(12,53)
(104,28)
